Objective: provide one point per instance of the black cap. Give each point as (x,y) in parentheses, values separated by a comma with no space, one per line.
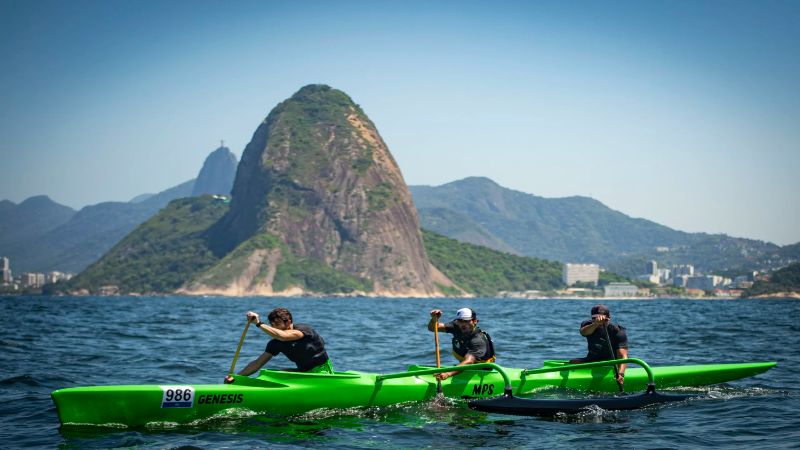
(601,309)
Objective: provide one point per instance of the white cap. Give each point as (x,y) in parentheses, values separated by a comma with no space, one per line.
(464,314)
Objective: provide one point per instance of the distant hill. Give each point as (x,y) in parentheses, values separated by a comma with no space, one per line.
(89,233)
(783,282)
(160,254)
(217,174)
(31,218)
(485,272)
(71,245)
(579,229)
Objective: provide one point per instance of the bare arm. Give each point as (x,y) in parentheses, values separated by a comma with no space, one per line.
(255,364)
(281,335)
(622,353)
(252,366)
(596,322)
(469,359)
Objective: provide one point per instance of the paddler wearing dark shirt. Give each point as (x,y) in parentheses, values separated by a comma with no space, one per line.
(470,344)
(592,330)
(299,342)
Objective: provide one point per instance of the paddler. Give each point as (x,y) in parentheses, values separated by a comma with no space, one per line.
(471,345)
(298,341)
(592,330)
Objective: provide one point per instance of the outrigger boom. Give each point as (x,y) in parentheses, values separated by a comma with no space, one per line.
(508,404)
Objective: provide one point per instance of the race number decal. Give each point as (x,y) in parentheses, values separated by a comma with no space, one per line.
(177,397)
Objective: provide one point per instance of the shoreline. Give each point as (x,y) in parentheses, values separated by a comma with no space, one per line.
(781,295)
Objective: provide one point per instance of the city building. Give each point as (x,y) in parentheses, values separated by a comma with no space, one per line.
(664,275)
(574,273)
(683,269)
(55,277)
(5,271)
(651,268)
(649,278)
(32,280)
(706,282)
(620,290)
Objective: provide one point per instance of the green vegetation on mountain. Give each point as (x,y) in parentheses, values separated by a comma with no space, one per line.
(160,254)
(483,271)
(791,251)
(306,121)
(611,277)
(786,280)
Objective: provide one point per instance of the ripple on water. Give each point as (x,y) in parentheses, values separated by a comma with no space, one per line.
(89,347)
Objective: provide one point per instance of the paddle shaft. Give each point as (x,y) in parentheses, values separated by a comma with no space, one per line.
(438,358)
(613,356)
(238,348)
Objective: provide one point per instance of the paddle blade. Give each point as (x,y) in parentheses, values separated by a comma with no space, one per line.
(540,407)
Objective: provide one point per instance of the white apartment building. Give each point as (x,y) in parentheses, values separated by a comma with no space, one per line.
(5,271)
(32,280)
(706,282)
(620,290)
(587,273)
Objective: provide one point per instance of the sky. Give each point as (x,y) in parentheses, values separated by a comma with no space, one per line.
(686,113)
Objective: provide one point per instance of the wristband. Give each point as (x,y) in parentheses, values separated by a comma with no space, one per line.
(259,323)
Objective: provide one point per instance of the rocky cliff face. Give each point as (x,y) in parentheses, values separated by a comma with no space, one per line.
(319,196)
(217,174)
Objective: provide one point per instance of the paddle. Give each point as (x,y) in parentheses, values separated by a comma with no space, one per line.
(238,348)
(613,356)
(439,393)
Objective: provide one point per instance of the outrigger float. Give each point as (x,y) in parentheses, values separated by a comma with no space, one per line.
(487,386)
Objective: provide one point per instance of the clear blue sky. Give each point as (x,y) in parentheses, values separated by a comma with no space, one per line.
(686,113)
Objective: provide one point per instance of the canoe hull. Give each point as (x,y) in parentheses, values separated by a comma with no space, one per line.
(289,393)
(136,405)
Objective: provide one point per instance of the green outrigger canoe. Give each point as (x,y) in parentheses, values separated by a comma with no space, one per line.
(289,393)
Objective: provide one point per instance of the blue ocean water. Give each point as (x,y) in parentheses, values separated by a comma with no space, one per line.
(51,343)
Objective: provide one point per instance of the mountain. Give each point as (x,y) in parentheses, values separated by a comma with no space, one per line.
(140,198)
(90,233)
(217,174)
(481,271)
(175,245)
(579,229)
(31,218)
(41,241)
(160,254)
(319,206)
